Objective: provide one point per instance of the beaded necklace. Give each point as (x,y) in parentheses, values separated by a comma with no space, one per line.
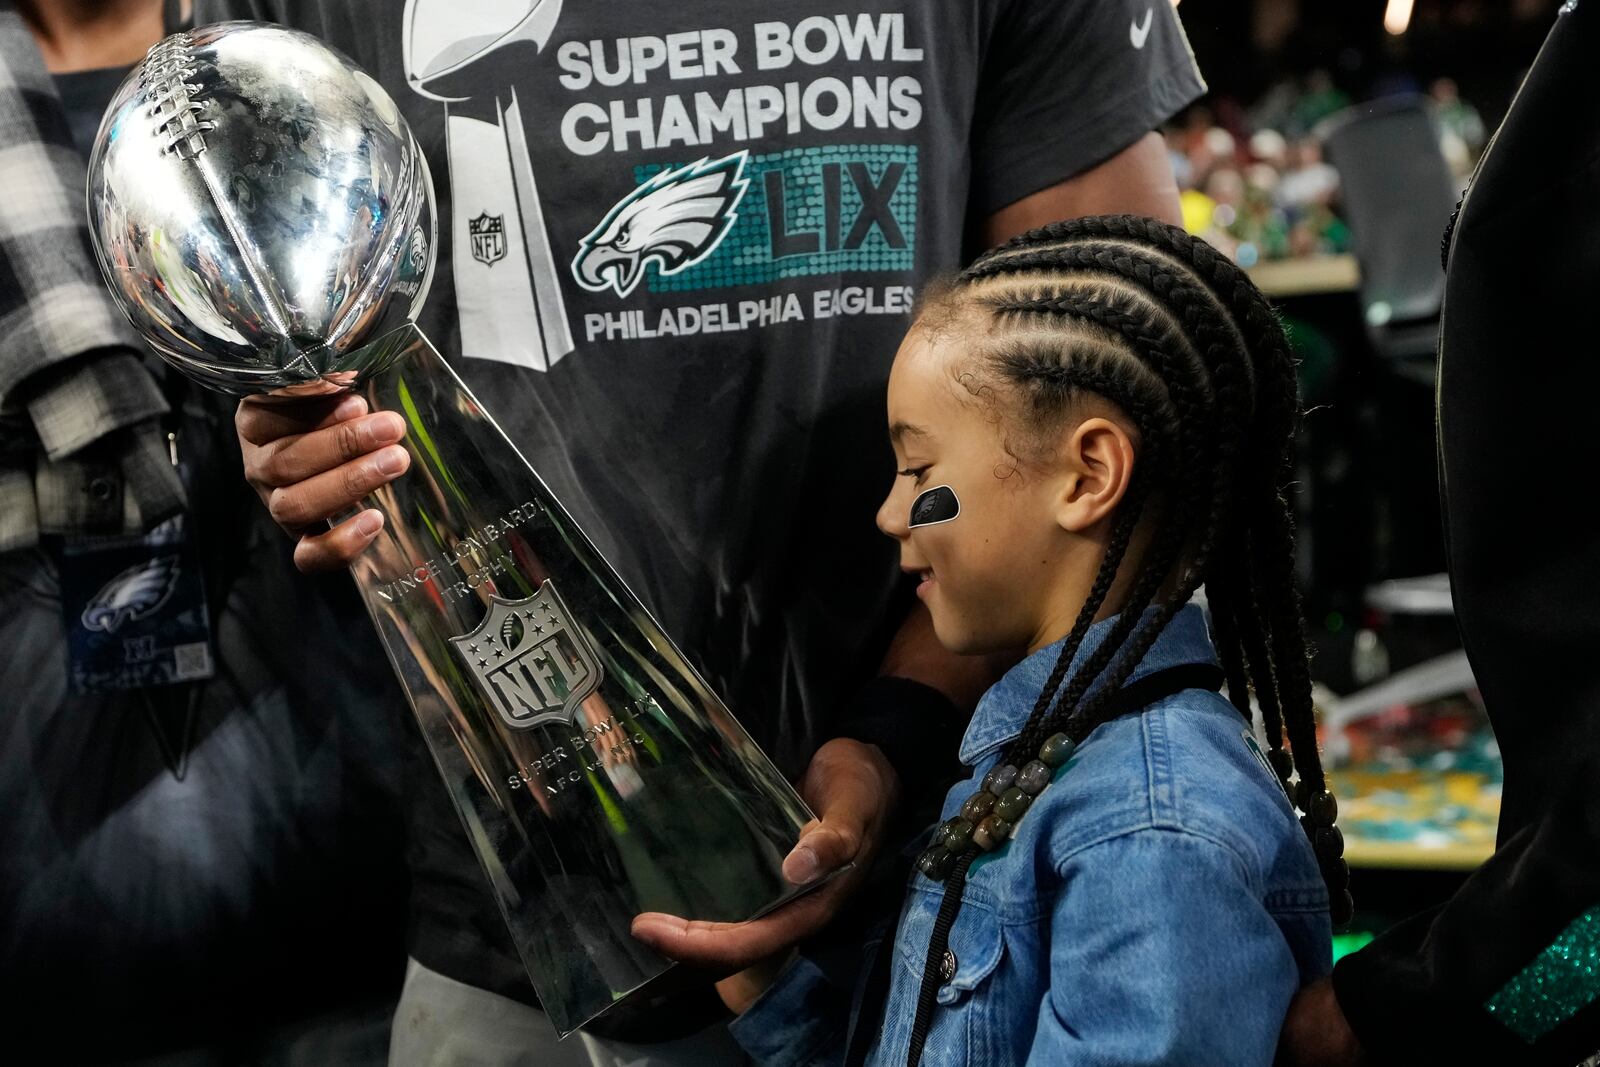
(989,817)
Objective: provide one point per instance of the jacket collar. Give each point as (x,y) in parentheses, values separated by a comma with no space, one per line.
(1005,708)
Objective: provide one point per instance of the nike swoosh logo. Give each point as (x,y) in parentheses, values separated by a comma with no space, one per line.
(1139,34)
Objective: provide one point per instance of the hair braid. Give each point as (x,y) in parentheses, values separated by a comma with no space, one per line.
(1195,479)
(1255,625)
(1224,624)
(1278,615)
(1271,529)
(1116,549)
(1144,410)
(1163,554)
(1186,388)
(1202,321)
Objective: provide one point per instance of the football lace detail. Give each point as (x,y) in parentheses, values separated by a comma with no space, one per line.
(174,98)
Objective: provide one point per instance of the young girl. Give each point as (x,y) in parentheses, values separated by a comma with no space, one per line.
(1091,423)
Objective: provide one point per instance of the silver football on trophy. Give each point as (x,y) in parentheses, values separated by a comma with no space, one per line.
(260,209)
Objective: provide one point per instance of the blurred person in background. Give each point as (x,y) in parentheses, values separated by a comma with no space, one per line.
(1319,98)
(1259,198)
(1307,180)
(200,855)
(1461,132)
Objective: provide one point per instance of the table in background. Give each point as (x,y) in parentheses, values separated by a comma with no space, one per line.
(1306,276)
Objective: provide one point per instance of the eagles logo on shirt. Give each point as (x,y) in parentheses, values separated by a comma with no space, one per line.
(676,218)
(530,660)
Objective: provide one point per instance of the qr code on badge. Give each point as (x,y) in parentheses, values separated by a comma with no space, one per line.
(191,661)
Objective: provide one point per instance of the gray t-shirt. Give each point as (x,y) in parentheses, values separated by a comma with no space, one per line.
(679,246)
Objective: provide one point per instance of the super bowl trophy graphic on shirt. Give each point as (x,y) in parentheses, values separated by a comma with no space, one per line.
(264,216)
(508,290)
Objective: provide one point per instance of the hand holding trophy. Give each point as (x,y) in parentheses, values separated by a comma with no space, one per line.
(265,218)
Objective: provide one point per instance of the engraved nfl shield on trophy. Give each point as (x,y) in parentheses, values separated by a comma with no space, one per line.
(264,217)
(530,660)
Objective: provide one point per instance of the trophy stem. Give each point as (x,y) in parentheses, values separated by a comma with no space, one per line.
(595,772)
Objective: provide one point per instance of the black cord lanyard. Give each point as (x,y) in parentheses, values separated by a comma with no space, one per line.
(1133,697)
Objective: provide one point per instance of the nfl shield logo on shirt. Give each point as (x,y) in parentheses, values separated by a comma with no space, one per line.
(488,234)
(530,660)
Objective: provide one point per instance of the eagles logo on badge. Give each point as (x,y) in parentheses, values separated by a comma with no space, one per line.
(530,660)
(488,233)
(137,593)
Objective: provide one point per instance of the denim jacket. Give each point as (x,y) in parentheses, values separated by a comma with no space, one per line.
(1158,904)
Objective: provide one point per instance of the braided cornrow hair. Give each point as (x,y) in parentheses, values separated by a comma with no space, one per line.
(1176,335)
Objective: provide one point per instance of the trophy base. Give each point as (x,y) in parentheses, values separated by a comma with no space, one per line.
(595,772)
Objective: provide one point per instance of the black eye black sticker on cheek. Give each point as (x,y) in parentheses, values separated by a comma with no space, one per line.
(937,505)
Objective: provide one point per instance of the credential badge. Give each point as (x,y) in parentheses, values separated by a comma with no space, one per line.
(488,233)
(529,658)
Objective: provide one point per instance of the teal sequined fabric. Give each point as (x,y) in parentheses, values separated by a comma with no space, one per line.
(1560,981)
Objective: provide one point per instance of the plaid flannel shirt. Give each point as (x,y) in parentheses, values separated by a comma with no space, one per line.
(81,444)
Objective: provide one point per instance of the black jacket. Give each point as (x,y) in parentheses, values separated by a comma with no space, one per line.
(1508,970)
(194,864)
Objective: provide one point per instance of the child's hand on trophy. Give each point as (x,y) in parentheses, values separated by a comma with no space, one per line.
(852,788)
(313,460)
